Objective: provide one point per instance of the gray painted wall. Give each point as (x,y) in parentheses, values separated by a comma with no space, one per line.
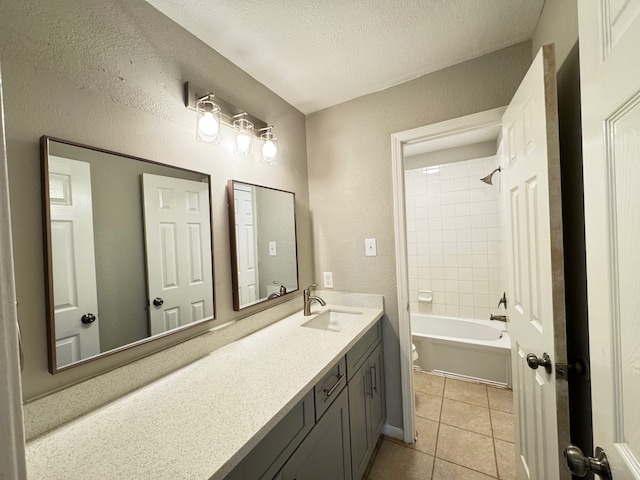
(558,24)
(275,223)
(450,155)
(350,186)
(110,74)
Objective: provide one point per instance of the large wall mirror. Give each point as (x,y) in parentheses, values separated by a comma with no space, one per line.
(264,259)
(128,251)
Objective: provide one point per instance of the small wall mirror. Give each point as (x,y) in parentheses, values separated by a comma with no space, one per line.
(128,250)
(264,259)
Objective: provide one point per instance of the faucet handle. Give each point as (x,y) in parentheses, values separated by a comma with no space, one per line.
(503,300)
(283,289)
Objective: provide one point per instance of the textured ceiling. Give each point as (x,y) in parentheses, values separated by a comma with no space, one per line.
(316,54)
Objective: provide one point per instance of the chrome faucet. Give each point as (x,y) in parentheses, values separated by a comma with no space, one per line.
(499,318)
(282,291)
(308,299)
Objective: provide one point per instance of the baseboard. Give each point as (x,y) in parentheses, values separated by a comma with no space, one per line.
(393,432)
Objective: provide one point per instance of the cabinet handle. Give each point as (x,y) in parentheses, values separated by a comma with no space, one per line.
(330,391)
(374,376)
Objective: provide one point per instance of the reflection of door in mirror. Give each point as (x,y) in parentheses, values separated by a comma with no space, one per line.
(247,245)
(262,229)
(178,249)
(73,261)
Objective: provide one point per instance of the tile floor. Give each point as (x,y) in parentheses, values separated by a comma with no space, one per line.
(465,432)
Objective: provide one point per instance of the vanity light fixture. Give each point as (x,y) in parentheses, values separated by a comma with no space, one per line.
(269,146)
(211,116)
(243,144)
(208,120)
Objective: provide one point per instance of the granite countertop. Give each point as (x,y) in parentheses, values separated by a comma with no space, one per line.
(200,421)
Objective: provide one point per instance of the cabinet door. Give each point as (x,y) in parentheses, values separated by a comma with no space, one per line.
(376,376)
(361,442)
(325,453)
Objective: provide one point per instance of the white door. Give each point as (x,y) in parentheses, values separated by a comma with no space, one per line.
(247,245)
(178,248)
(610,89)
(73,258)
(536,271)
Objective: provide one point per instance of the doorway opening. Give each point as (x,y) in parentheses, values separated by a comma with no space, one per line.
(449,135)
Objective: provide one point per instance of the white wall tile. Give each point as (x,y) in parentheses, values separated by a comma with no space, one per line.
(463,222)
(465,286)
(456,238)
(450,248)
(452,311)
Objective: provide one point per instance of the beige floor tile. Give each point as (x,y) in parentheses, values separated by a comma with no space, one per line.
(428,383)
(466,392)
(503,425)
(500,399)
(468,449)
(427,435)
(506,456)
(397,461)
(450,471)
(428,406)
(466,416)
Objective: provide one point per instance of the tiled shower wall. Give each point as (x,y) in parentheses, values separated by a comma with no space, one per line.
(456,239)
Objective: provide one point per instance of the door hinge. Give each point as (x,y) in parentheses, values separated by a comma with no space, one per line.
(579,368)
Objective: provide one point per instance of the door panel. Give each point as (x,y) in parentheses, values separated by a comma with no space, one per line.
(73,260)
(536,270)
(610,88)
(178,250)
(247,244)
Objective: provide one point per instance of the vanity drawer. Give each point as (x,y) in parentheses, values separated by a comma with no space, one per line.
(361,350)
(328,389)
(276,447)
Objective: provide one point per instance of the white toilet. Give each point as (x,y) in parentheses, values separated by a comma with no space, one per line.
(414,353)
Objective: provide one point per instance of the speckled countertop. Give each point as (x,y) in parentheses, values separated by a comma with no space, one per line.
(200,421)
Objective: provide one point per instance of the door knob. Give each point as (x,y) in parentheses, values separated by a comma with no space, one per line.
(534,362)
(579,464)
(88,318)
(158,301)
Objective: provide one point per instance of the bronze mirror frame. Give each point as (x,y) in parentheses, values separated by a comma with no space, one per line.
(237,306)
(153,168)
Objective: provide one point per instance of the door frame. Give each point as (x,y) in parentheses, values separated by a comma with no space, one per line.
(12,455)
(436,131)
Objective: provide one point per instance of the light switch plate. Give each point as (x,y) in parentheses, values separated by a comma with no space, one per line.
(370,247)
(272,249)
(327,279)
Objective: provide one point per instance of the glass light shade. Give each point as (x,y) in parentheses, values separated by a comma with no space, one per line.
(244,137)
(269,148)
(208,122)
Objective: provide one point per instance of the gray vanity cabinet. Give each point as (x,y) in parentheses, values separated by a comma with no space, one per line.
(367,410)
(325,454)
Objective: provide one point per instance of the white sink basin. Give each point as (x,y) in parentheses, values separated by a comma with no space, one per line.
(332,320)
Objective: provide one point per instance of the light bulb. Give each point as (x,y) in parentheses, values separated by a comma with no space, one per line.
(269,149)
(243,142)
(208,126)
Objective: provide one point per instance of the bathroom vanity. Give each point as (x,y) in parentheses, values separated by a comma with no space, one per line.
(283,401)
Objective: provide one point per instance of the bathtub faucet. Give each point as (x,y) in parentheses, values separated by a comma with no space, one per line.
(499,318)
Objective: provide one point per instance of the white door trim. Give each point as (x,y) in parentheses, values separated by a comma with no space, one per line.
(457,126)
(12,453)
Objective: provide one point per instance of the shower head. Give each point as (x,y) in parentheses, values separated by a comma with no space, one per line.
(488,178)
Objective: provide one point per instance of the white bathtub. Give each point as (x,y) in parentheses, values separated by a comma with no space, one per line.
(478,350)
